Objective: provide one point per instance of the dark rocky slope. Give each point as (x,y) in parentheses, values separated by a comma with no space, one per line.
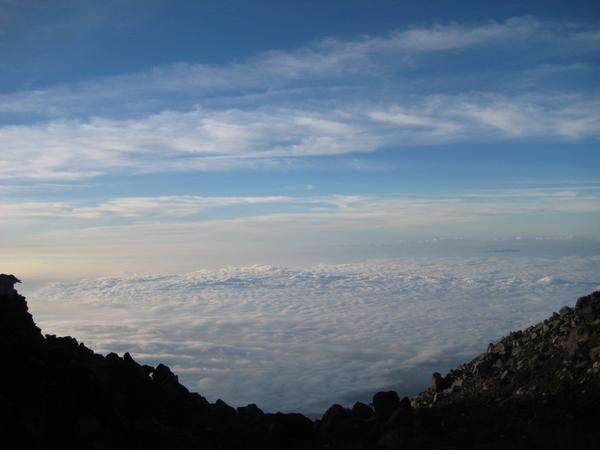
(538,388)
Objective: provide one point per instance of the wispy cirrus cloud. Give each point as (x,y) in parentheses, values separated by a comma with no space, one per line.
(274,69)
(333,97)
(230,139)
(128,207)
(329,59)
(329,210)
(168,206)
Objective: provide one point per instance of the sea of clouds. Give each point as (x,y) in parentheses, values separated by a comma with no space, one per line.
(301,339)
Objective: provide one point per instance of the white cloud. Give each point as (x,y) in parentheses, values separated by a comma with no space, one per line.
(218,140)
(300,339)
(332,97)
(441,37)
(269,70)
(327,59)
(19,211)
(444,118)
(170,206)
(417,209)
(174,141)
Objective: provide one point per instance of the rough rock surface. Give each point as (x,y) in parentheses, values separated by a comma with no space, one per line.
(537,388)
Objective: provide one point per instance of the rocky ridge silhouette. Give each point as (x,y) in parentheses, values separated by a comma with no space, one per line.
(537,388)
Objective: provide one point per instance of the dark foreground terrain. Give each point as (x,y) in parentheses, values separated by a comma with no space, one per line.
(535,389)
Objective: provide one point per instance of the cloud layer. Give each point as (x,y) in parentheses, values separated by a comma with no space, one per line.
(328,98)
(233,139)
(299,339)
(418,209)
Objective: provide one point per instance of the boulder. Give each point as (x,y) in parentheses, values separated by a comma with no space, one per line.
(167,381)
(222,411)
(290,425)
(402,415)
(588,307)
(250,413)
(361,411)
(334,413)
(437,382)
(385,403)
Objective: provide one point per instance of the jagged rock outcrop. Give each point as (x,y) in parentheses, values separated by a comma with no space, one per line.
(537,388)
(55,393)
(559,356)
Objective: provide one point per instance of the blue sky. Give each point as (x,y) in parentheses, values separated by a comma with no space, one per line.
(168,136)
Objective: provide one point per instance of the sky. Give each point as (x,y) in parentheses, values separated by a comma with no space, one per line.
(296,203)
(171,136)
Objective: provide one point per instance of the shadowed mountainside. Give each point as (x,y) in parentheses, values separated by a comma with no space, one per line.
(537,388)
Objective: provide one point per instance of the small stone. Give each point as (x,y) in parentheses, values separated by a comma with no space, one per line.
(595,354)
(457,383)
